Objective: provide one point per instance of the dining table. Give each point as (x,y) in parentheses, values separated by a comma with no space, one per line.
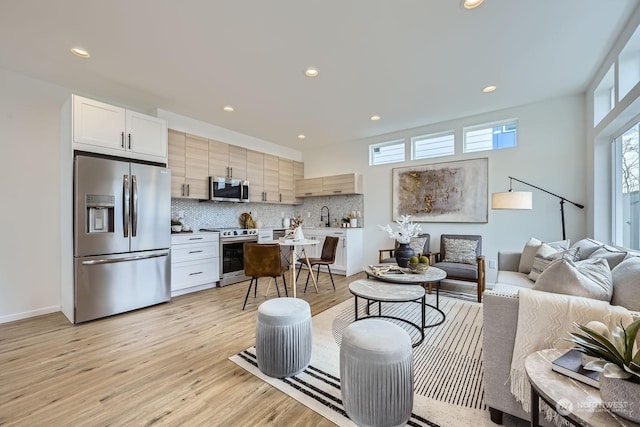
(293,244)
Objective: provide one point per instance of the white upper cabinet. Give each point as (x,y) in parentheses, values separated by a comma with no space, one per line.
(146,134)
(107,129)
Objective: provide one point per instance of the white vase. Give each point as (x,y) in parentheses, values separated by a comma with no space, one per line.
(298,234)
(353,222)
(621,397)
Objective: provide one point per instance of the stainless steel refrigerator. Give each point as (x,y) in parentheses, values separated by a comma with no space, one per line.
(122,236)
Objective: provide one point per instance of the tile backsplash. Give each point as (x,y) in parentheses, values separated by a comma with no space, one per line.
(226,215)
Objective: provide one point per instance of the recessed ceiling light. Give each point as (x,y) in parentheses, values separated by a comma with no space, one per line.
(489,89)
(301,136)
(471,4)
(374,118)
(82,53)
(228,108)
(311,72)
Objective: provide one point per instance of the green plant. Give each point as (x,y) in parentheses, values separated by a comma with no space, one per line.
(175,222)
(615,349)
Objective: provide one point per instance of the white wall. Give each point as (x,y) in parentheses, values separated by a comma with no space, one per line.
(550,154)
(30,194)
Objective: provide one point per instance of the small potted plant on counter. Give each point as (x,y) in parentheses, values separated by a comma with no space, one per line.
(176,226)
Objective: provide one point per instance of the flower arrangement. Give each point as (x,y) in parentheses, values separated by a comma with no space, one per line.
(296,222)
(613,350)
(406,229)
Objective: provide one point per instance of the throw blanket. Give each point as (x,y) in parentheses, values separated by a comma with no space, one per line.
(544,320)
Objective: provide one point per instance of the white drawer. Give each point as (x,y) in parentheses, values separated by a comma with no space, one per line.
(185,238)
(194,252)
(188,274)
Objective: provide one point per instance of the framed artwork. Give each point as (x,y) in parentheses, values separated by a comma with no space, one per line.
(442,192)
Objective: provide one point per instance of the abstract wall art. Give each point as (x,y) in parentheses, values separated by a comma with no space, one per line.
(442,192)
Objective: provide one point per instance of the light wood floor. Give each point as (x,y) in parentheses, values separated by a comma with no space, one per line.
(163,365)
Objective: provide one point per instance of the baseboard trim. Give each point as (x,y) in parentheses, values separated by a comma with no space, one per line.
(27,314)
(197,288)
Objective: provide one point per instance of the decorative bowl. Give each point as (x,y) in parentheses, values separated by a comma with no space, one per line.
(417,267)
(176,228)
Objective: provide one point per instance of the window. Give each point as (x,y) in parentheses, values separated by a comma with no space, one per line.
(491,136)
(604,97)
(387,152)
(434,145)
(626,192)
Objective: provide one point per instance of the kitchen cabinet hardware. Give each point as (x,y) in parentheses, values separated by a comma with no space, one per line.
(129,141)
(197,272)
(195,252)
(122,138)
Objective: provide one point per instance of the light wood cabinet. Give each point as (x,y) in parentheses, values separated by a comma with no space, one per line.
(237,162)
(255,176)
(189,164)
(218,158)
(285,180)
(194,159)
(271,179)
(226,160)
(298,174)
(103,128)
(350,183)
(309,187)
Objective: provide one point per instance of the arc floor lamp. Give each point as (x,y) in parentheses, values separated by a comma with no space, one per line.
(523,200)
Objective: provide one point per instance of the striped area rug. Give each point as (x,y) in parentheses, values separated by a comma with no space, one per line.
(448,367)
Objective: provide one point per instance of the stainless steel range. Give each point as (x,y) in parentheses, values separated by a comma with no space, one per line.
(232,242)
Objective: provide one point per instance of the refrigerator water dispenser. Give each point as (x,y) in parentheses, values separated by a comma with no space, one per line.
(100,213)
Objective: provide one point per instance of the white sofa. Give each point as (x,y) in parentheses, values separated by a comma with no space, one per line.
(500,316)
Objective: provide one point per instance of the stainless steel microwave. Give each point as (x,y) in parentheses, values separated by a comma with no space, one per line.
(224,189)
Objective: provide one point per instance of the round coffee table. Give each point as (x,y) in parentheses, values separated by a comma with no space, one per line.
(432,276)
(376,291)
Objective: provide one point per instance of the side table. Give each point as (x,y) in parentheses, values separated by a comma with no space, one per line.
(576,402)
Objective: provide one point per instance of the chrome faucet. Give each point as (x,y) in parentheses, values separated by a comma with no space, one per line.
(328,223)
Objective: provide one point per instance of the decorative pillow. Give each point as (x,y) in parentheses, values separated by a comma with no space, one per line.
(545,255)
(626,284)
(528,254)
(587,247)
(417,244)
(530,249)
(590,278)
(611,254)
(460,250)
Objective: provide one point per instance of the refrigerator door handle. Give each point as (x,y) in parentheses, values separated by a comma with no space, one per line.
(127,200)
(134,206)
(128,258)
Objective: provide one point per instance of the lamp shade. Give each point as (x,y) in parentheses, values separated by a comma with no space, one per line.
(512,200)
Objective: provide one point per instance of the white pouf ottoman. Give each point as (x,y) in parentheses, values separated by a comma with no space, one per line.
(376,371)
(283,337)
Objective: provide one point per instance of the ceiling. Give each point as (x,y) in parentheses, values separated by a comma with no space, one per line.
(412,62)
